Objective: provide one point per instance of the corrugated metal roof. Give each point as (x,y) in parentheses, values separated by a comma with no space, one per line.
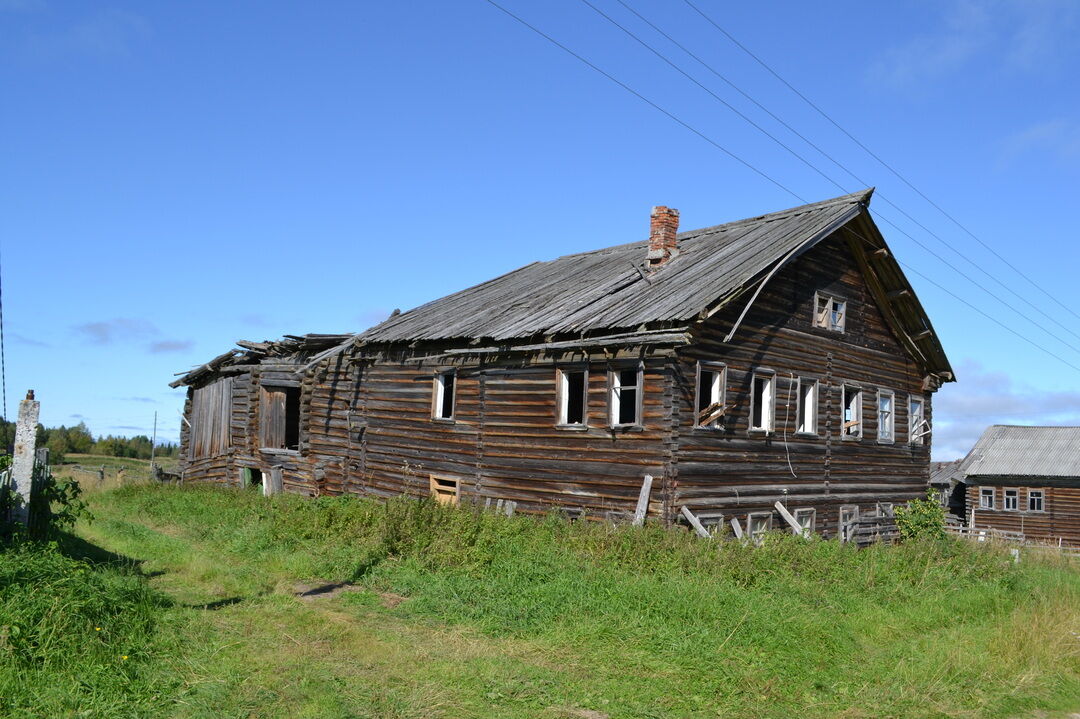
(607,289)
(1011,451)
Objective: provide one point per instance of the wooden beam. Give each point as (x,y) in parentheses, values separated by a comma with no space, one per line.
(737,528)
(897,294)
(796,528)
(643,501)
(695,523)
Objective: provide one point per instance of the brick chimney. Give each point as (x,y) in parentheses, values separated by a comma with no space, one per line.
(663,226)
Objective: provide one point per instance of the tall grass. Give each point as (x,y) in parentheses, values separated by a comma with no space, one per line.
(676,626)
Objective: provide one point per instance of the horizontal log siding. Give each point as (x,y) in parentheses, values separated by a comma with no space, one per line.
(1060,520)
(734,472)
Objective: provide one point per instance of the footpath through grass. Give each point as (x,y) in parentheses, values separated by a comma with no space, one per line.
(455,613)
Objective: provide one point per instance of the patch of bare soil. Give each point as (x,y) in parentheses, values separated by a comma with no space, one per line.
(311,592)
(391,600)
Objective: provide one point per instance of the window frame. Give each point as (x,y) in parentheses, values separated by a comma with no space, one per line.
(891,438)
(720,370)
(916,436)
(266,388)
(844,434)
(1005,499)
(753,534)
(438,393)
(828,323)
(1042,500)
(990,492)
(615,396)
(770,418)
(807,529)
(562,400)
(816,385)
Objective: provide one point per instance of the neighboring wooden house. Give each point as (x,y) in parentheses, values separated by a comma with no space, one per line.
(1025,479)
(779,358)
(945,481)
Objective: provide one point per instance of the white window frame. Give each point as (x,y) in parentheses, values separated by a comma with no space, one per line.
(1041,497)
(918,428)
(717,394)
(834,316)
(562,398)
(987,492)
(807,519)
(1015,496)
(615,389)
(438,393)
(886,437)
(800,410)
(754,533)
(857,415)
(768,413)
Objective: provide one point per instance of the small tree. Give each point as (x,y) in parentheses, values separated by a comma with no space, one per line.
(921,519)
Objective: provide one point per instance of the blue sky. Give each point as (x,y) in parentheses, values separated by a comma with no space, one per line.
(176,176)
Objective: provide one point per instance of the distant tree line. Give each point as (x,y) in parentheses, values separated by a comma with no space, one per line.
(62,441)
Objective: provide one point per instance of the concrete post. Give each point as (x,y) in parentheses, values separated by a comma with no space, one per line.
(22,462)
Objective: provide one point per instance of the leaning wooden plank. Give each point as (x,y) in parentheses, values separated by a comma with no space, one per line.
(796,528)
(695,523)
(737,527)
(643,501)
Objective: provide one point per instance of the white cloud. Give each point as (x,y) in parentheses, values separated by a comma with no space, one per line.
(1060,138)
(981,398)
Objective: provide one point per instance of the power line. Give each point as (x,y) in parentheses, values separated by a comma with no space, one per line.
(842,188)
(886,165)
(758,171)
(884,198)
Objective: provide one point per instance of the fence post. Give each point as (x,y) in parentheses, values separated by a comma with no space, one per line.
(22,462)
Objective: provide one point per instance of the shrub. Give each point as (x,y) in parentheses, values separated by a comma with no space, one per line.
(921,519)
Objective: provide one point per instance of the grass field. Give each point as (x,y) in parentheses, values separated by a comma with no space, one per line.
(455,613)
(96,472)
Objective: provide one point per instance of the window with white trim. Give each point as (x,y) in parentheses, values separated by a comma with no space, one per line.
(806,411)
(444,388)
(710,396)
(851,406)
(986,498)
(572,394)
(830,312)
(757,524)
(625,384)
(1012,500)
(806,518)
(762,402)
(918,427)
(886,420)
(1035,500)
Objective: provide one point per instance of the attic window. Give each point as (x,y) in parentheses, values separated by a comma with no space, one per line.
(626,393)
(851,401)
(572,395)
(279,417)
(830,313)
(762,402)
(442,400)
(709,402)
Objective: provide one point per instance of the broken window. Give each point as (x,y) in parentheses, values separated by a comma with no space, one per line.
(1012,500)
(710,394)
(625,396)
(279,417)
(762,402)
(1035,500)
(572,395)
(445,490)
(851,403)
(918,427)
(806,518)
(442,401)
(830,312)
(986,498)
(886,416)
(806,412)
(757,524)
(211,410)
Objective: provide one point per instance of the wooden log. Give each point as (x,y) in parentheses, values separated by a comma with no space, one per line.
(643,501)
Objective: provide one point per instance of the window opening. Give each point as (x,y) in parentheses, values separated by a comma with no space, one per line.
(710,395)
(986,498)
(445,490)
(625,397)
(572,396)
(443,400)
(762,402)
(852,403)
(807,409)
(1012,500)
(1035,500)
(886,416)
(280,417)
(830,313)
(918,427)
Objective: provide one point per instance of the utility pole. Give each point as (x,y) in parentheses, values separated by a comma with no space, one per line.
(22,465)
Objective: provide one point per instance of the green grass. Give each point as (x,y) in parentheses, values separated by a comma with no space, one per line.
(119,471)
(457,613)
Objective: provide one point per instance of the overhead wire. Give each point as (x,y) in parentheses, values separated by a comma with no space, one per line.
(881,161)
(756,170)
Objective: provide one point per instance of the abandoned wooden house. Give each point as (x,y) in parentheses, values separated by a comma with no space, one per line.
(779,358)
(1027,480)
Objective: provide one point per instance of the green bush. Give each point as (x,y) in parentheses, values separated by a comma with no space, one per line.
(921,519)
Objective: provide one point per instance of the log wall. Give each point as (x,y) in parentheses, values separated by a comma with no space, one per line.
(1060,518)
